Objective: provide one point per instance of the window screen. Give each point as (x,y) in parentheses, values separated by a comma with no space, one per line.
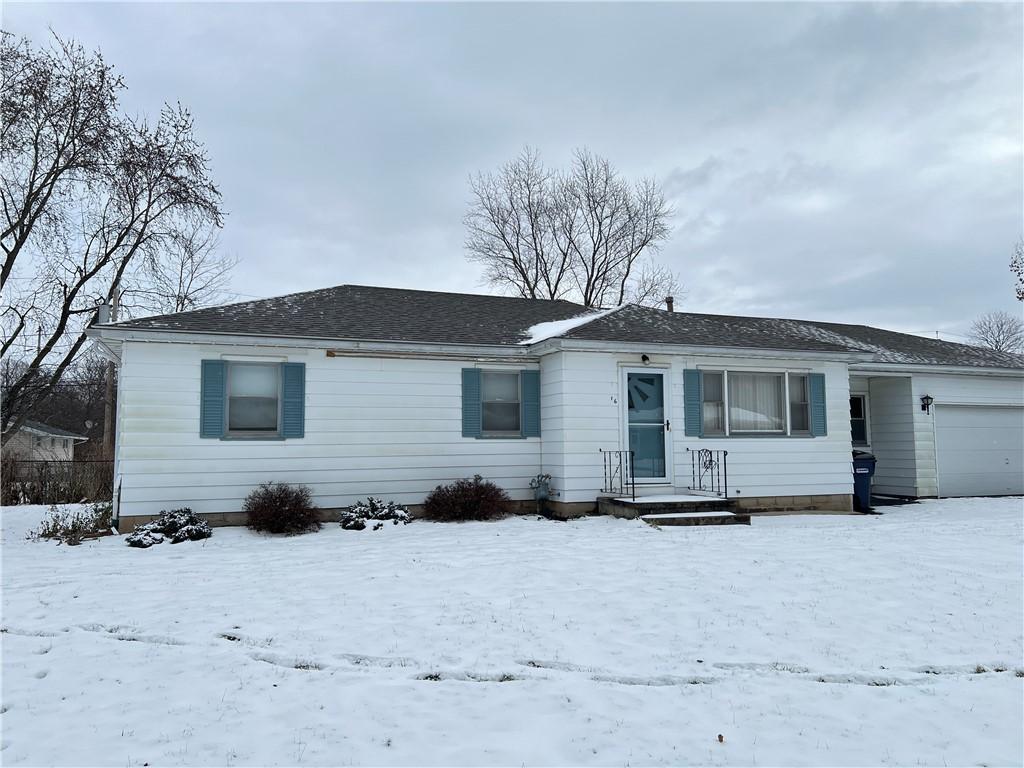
(499,397)
(253,390)
(799,408)
(714,404)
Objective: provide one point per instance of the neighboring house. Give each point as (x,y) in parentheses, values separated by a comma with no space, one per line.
(357,390)
(39,442)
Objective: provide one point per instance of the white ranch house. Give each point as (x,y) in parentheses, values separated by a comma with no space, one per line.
(358,391)
(35,441)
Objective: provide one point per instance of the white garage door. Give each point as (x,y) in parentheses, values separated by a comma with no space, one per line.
(979,450)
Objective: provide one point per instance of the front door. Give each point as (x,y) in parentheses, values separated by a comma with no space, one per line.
(647,423)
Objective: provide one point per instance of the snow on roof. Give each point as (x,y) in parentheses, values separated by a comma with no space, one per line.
(549,330)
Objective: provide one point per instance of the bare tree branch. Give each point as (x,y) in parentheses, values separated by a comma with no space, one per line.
(577,234)
(1000,331)
(95,202)
(1017,268)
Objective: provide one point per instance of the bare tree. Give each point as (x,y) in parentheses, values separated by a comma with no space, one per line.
(90,198)
(652,283)
(1017,268)
(581,234)
(189,272)
(1000,331)
(511,225)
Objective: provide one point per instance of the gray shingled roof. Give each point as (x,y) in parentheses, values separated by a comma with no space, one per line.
(373,314)
(656,326)
(391,314)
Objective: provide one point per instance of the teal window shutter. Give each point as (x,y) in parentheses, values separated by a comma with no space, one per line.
(212,398)
(471,415)
(530,398)
(293,399)
(693,403)
(816,393)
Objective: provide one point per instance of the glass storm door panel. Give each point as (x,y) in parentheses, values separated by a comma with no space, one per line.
(645,416)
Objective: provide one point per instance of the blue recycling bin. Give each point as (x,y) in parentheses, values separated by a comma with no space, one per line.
(863,471)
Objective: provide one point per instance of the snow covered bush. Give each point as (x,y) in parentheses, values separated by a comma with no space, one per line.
(282,508)
(70,525)
(177,526)
(374,510)
(475,499)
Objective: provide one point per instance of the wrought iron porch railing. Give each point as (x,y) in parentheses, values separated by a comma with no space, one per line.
(709,471)
(619,478)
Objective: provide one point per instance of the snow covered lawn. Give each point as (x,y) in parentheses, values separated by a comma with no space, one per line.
(804,640)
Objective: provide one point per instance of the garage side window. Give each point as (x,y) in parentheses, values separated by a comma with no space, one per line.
(859,420)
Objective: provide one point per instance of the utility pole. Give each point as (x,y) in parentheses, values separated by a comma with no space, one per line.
(108,398)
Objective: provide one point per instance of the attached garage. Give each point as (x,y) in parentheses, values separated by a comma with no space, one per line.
(979,450)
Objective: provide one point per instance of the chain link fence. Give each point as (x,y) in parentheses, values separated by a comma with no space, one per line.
(25,481)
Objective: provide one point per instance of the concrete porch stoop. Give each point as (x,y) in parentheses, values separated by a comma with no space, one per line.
(675,510)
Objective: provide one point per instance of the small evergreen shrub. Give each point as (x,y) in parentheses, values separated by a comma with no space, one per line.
(71,526)
(177,526)
(376,511)
(282,508)
(475,499)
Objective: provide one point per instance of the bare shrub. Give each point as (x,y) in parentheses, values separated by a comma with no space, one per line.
(475,499)
(282,508)
(72,525)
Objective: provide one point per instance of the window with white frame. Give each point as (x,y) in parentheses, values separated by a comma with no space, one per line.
(500,403)
(755,403)
(799,404)
(714,403)
(859,420)
(253,395)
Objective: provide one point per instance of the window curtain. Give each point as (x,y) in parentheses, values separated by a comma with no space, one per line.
(756,403)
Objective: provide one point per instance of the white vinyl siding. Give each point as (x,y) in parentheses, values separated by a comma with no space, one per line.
(581,408)
(902,434)
(892,436)
(28,447)
(387,427)
(954,389)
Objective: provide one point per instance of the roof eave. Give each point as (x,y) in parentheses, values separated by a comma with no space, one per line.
(632,347)
(47,433)
(112,335)
(977,370)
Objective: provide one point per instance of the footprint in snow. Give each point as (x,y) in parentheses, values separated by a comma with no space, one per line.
(290,663)
(468,677)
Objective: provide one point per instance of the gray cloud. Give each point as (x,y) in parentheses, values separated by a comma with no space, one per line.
(848,162)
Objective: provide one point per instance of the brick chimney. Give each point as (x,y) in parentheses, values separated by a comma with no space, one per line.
(668,303)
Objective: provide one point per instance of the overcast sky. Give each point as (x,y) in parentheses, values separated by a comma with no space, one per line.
(853,163)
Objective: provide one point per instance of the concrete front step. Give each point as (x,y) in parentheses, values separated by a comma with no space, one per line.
(655,505)
(721,517)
